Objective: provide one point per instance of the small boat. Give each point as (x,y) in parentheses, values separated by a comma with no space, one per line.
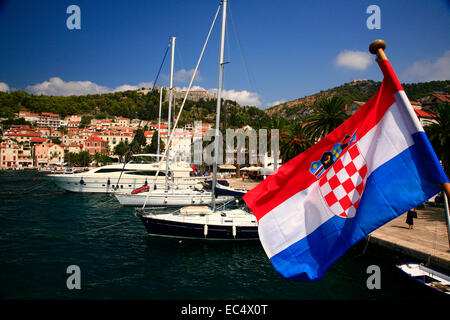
(427,276)
(222,190)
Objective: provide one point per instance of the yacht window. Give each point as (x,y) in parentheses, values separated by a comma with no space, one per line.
(111,170)
(147,173)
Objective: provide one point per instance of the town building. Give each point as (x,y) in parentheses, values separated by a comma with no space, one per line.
(114,137)
(48,154)
(48,119)
(9,154)
(25,156)
(96,144)
(21,137)
(435,98)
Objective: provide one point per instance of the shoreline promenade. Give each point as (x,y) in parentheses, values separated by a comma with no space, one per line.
(428,242)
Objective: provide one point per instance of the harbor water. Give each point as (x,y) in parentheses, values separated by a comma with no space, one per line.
(44,230)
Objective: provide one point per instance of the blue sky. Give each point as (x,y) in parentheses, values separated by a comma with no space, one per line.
(278,50)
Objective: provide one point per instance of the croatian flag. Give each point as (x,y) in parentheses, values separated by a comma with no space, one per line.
(374,167)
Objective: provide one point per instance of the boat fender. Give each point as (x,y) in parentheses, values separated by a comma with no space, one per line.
(234,230)
(205,230)
(109,182)
(154,187)
(146,183)
(81,181)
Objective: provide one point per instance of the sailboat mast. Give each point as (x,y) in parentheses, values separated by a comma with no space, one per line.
(159,118)
(170,111)
(219,97)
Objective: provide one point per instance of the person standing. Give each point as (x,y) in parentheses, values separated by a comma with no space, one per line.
(410,218)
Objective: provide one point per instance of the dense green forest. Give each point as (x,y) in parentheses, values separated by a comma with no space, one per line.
(131,104)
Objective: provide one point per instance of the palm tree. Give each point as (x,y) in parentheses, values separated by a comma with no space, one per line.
(294,141)
(439,134)
(121,149)
(329,114)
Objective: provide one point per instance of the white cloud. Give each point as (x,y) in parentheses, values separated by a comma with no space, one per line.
(4,87)
(277,102)
(184,75)
(244,97)
(57,87)
(193,88)
(438,69)
(357,60)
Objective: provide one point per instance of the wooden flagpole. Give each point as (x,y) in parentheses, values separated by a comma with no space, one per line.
(377,47)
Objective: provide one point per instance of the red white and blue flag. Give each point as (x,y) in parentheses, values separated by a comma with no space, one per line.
(374,167)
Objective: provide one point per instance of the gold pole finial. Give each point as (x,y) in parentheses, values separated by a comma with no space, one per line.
(377,47)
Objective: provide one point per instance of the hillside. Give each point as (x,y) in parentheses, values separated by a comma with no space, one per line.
(359,90)
(131,104)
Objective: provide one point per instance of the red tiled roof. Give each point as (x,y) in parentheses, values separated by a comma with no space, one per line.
(359,103)
(38,139)
(443,97)
(49,114)
(95,138)
(421,113)
(16,134)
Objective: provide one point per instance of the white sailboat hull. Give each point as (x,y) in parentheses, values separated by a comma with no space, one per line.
(201,223)
(171,198)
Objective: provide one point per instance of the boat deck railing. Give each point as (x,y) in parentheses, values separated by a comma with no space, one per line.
(229,205)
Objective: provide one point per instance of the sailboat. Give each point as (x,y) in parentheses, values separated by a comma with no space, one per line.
(173,194)
(231,221)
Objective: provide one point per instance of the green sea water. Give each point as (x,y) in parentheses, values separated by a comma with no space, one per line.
(43,230)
